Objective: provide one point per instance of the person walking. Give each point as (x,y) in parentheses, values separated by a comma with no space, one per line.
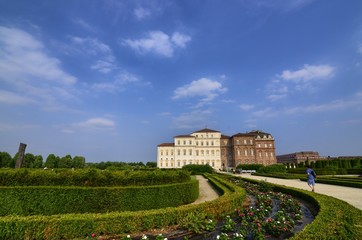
(311,177)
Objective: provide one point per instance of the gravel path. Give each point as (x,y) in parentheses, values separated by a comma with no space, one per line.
(206,191)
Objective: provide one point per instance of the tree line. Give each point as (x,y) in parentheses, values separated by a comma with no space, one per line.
(53,161)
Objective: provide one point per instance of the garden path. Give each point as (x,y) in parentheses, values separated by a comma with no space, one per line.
(206,191)
(350,195)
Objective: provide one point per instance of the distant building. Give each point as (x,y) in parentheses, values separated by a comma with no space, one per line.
(299,157)
(207,146)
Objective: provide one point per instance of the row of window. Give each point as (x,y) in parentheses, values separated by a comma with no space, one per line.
(201,143)
(250,152)
(184,162)
(190,152)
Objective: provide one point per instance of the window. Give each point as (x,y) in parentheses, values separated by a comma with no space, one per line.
(212,143)
(178,152)
(238,152)
(197,143)
(252,152)
(207,152)
(266,154)
(265,145)
(178,142)
(184,151)
(166,152)
(246,152)
(178,163)
(197,152)
(190,152)
(259,145)
(184,142)
(161,153)
(251,141)
(244,141)
(237,141)
(190,142)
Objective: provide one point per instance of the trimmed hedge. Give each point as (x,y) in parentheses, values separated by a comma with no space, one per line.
(90,177)
(70,226)
(336,219)
(61,200)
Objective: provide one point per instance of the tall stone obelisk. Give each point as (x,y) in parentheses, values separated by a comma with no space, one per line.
(20,161)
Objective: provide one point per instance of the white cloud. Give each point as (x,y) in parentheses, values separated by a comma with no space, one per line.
(141,13)
(308,73)
(84,24)
(159,43)
(105,61)
(22,56)
(204,87)
(307,78)
(29,74)
(246,107)
(359,50)
(180,39)
(193,119)
(13,98)
(96,123)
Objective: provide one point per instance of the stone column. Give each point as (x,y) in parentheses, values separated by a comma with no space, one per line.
(21,153)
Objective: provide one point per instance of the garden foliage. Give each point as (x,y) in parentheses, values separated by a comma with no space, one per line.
(90,177)
(70,226)
(38,200)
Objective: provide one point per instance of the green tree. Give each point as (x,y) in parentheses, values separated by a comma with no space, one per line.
(151,164)
(52,161)
(65,162)
(38,162)
(78,162)
(5,160)
(28,160)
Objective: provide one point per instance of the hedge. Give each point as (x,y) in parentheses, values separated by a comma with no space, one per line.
(61,200)
(90,177)
(346,183)
(70,226)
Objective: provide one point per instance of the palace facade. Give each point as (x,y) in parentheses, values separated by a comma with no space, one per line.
(207,146)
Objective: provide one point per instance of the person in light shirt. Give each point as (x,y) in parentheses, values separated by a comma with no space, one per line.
(311,177)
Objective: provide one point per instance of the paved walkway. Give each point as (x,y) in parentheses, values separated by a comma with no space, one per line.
(350,195)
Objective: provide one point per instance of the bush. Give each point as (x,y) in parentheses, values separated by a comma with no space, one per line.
(70,226)
(61,200)
(90,177)
(255,167)
(273,168)
(196,169)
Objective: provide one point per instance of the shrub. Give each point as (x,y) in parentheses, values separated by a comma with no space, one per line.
(273,168)
(196,169)
(70,226)
(60,200)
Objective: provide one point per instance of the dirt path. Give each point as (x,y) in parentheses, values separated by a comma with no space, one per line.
(206,191)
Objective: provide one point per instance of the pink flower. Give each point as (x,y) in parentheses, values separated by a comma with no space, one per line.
(93,235)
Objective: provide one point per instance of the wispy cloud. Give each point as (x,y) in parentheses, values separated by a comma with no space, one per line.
(104,60)
(80,22)
(29,74)
(119,83)
(159,43)
(204,88)
(307,78)
(246,107)
(193,119)
(96,124)
(141,13)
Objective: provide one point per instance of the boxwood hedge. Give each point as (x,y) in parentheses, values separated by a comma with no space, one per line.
(61,200)
(90,177)
(70,226)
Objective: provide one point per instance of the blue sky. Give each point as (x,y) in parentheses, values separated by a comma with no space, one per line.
(110,80)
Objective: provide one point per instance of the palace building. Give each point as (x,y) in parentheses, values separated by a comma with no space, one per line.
(207,146)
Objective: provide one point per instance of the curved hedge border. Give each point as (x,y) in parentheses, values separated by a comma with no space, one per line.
(70,226)
(25,201)
(336,219)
